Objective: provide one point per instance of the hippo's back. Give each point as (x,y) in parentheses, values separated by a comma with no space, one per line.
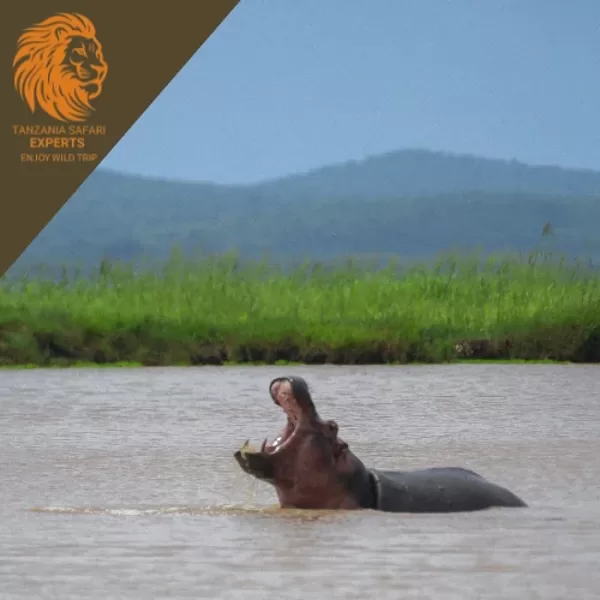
(438,489)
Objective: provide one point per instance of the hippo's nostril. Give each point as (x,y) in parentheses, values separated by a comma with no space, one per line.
(332,426)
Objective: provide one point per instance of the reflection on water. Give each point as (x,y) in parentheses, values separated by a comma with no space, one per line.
(272,512)
(122,484)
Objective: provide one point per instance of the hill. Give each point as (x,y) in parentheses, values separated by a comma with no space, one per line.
(412,203)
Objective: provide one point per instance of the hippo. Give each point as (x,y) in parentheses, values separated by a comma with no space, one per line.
(311,467)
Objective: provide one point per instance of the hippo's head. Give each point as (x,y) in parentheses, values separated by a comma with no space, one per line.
(308,464)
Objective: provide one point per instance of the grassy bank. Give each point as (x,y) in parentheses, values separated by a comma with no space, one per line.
(216,311)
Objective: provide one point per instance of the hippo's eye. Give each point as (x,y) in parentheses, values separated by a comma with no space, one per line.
(332,426)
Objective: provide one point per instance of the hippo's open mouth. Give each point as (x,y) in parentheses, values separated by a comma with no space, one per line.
(282,392)
(292,395)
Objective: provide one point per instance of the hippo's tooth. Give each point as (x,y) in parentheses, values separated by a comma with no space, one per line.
(247,449)
(264,445)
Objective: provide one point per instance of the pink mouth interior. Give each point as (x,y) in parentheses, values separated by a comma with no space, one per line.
(279,442)
(283,397)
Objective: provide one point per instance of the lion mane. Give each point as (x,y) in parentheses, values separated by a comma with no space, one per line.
(59,67)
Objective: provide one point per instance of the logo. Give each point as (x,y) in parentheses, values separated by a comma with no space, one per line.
(59,70)
(59,67)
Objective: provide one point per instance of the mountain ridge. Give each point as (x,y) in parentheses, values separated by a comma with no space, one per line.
(353,162)
(409,202)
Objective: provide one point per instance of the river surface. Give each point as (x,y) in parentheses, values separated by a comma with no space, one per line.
(121,483)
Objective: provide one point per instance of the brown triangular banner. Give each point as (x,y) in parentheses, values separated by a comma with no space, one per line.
(88,70)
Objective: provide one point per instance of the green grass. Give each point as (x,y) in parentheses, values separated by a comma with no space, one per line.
(216,311)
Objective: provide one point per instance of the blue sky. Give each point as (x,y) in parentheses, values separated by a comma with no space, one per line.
(283,86)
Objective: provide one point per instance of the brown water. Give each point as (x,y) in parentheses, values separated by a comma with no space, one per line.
(121,484)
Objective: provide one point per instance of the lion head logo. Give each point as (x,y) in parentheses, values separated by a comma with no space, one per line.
(59,67)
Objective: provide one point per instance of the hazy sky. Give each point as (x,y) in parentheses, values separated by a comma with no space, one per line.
(283,86)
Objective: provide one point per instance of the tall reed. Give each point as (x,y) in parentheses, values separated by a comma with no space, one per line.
(218,309)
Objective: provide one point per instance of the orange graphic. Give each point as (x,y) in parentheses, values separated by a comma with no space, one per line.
(59,67)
